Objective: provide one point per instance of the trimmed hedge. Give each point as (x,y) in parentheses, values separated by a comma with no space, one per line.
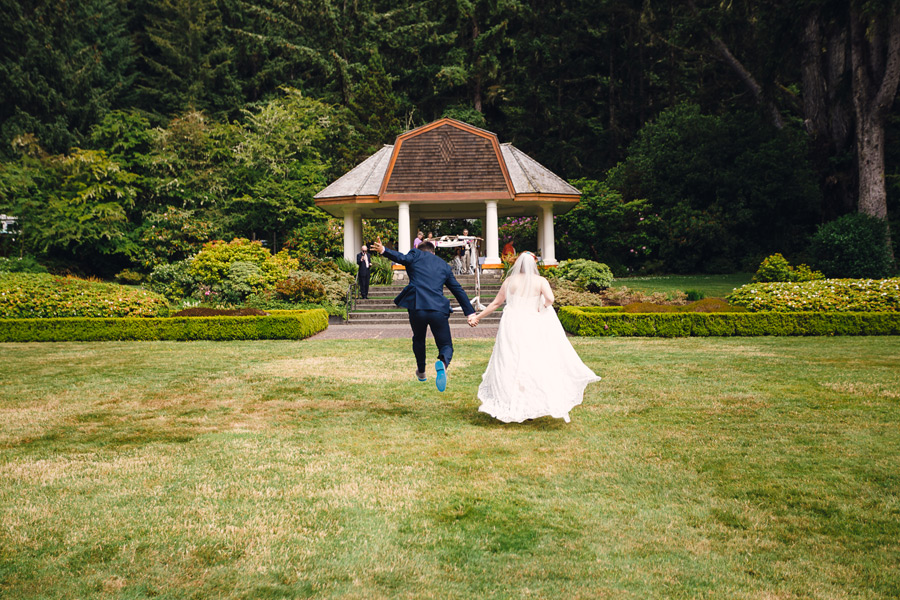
(595,323)
(288,325)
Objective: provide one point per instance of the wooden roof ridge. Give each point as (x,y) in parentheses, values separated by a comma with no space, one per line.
(447,121)
(490,136)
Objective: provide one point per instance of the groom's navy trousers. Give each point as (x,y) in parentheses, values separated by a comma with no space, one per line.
(425,301)
(420,321)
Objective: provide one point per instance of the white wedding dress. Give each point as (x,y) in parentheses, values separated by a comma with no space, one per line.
(534,371)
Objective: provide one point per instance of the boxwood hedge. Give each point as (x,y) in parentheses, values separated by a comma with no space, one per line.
(291,325)
(596,323)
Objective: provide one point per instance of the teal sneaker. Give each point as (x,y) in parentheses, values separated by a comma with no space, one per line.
(420,375)
(440,378)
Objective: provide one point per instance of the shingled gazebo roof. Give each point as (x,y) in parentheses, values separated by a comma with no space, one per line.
(447,169)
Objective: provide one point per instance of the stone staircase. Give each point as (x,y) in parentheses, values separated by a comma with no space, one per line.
(379,309)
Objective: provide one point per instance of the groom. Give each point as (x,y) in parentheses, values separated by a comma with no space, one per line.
(424,300)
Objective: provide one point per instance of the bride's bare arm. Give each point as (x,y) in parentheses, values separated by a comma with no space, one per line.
(498,300)
(547,292)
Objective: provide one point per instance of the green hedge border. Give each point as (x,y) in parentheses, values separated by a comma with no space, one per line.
(286,325)
(582,322)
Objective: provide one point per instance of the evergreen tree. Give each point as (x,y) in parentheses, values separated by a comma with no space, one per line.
(62,66)
(187,62)
(376,109)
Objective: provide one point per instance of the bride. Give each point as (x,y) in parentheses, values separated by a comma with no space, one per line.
(533,371)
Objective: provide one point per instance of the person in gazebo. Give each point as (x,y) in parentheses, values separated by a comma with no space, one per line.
(509,251)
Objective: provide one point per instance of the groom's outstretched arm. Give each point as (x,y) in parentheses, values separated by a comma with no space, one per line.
(460,294)
(400,259)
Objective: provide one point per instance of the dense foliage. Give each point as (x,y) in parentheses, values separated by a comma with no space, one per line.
(852,246)
(853,295)
(35,295)
(704,135)
(588,275)
(777,268)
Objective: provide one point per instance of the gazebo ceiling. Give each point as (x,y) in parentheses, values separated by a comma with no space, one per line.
(447,169)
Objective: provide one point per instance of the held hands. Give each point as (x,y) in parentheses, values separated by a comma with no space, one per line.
(378,247)
(473,320)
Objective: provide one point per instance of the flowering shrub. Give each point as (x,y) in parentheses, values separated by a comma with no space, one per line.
(300,288)
(173,281)
(36,295)
(846,295)
(521,232)
(212,265)
(335,282)
(777,268)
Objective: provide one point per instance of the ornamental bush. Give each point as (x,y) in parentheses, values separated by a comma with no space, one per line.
(854,245)
(36,295)
(777,268)
(174,281)
(855,295)
(25,264)
(212,265)
(587,274)
(300,287)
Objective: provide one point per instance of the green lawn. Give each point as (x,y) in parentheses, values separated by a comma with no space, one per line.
(712,286)
(698,468)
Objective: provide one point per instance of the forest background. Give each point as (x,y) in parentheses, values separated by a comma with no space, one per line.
(705,135)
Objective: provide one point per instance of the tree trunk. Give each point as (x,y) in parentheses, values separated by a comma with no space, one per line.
(815,112)
(875,59)
(872,195)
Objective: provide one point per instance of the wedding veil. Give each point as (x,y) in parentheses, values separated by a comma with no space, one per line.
(524,281)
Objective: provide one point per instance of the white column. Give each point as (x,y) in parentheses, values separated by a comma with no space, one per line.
(404,239)
(358,232)
(350,248)
(491,234)
(549,247)
(540,236)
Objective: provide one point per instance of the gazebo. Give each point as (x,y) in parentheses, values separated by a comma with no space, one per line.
(448,169)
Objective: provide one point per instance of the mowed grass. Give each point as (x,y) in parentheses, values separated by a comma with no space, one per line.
(759,468)
(712,286)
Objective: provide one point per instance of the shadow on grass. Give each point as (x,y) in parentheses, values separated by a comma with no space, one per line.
(481,419)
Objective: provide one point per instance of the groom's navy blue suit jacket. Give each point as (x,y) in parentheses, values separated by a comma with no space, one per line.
(428,275)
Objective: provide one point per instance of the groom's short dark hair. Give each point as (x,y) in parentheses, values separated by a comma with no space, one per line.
(427,247)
